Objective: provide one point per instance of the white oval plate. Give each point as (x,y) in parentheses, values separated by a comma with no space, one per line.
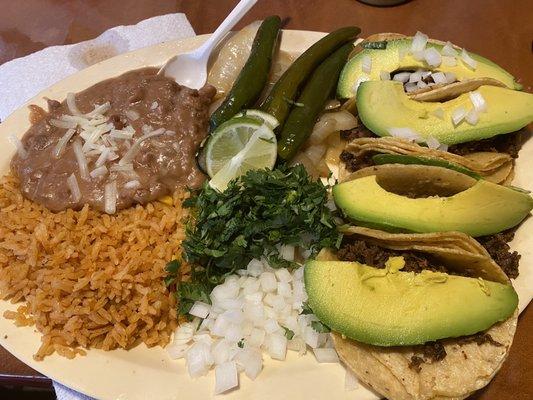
(143,373)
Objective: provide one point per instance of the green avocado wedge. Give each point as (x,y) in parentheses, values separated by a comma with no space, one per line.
(383,105)
(380,159)
(388,59)
(483,208)
(395,308)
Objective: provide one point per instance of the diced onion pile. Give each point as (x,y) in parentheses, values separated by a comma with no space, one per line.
(433,58)
(257,311)
(420,79)
(413,136)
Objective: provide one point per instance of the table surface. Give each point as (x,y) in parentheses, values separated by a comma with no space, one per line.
(501,31)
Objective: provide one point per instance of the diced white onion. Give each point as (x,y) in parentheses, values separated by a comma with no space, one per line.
(419,42)
(410,87)
(287,252)
(359,80)
(472,117)
(432,143)
(74,188)
(277,346)
(468,60)
(384,76)
(98,172)
(226,377)
(421,84)
(450,77)
(449,51)
(110,197)
(439,78)
(458,115)
(80,158)
(401,77)
(154,105)
(478,101)
(132,184)
(405,133)
(432,57)
(200,309)
(415,76)
(326,355)
(71,103)
(15,141)
(366,64)
(136,147)
(132,115)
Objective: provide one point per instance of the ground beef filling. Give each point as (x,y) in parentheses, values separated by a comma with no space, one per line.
(371,254)
(355,249)
(510,144)
(500,251)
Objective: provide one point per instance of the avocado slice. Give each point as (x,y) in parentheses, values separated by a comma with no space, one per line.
(384,104)
(482,209)
(395,308)
(388,59)
(380,159)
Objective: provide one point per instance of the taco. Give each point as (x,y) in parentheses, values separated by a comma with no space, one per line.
(363,152)
(404,365)
(425,198)
(448,111)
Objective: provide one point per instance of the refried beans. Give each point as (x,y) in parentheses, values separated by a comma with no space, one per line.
(127,140)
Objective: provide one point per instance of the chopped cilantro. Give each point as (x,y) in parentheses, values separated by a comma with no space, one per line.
(240,343)
(288,333)
(252,218)
(320,327)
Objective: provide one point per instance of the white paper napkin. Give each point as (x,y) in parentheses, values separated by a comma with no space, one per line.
(23,78)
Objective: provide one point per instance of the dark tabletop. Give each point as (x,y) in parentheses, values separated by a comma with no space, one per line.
(499,30)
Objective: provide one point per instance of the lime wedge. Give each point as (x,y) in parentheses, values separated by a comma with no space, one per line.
(237,146)
(262,116)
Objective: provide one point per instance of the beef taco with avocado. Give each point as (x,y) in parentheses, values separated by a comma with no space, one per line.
(419,100)
(415,316)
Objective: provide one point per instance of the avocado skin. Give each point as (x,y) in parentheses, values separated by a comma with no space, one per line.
(484,209)
(384,104)
(388,60)
(380,159)
(401,308)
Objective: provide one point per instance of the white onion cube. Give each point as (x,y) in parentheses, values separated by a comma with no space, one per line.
(251,361)
(277,346)
(268,281)
(200,309)
(255,267)
(283,274)
(226,377)
(257,337)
